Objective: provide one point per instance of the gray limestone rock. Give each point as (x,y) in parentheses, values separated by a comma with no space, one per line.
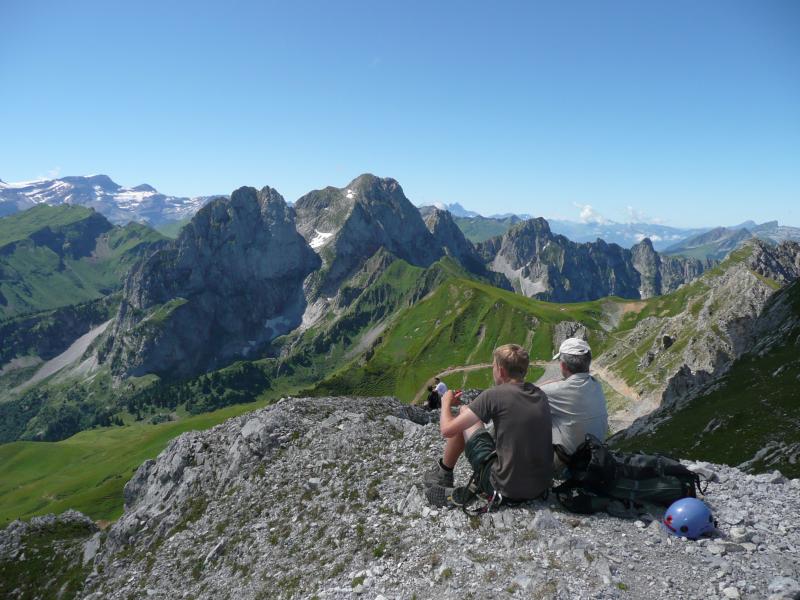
(231,282)
(322,497)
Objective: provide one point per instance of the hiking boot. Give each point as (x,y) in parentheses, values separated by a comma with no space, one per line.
(439,495)
(462,496)
(438,476)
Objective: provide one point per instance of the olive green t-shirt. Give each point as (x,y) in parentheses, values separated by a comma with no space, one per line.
(523,437)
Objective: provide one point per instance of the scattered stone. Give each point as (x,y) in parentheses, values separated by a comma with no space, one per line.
(544,519)
(783,587)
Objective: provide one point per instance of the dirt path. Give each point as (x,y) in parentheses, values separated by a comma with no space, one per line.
(617,383)
(71,354)
(548,373)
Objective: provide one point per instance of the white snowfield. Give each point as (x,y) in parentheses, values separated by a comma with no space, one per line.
(320,239)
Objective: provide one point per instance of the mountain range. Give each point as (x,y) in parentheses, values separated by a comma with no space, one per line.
(118,204)
(168,214)
(700,243)
(718,242)
(353,291)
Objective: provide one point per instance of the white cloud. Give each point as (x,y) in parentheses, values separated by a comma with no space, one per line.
(637,216)
(589,214)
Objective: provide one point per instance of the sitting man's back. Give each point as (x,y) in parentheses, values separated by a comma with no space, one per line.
(577,403)
(515,464)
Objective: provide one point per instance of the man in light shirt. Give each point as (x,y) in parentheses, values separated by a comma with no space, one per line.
(577,403)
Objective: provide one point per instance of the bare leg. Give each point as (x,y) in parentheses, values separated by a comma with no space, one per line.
(454,446)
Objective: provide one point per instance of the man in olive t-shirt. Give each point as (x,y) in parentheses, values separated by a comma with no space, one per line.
(523,466)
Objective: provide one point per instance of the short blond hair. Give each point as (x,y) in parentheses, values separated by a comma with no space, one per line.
(513,358)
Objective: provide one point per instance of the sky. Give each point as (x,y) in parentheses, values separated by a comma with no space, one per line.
(682,112)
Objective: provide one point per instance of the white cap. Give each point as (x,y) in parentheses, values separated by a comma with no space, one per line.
(574,346)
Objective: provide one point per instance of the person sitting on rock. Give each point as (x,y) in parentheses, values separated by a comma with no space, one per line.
(577,403)
(514,465)
(433,401)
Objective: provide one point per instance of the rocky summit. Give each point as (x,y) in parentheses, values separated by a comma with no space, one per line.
(232,280)
(348,225)
(321,497)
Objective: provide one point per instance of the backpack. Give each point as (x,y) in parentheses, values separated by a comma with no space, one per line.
(598,476)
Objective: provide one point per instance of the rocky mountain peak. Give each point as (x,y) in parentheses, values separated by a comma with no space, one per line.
(373,186)
(231,282)
(348,225)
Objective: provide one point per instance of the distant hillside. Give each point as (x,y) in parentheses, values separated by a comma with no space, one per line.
(624,234)
(55,256)
(718,242)
(479,229)
(715,244)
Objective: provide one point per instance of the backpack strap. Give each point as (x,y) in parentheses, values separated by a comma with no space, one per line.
(562,454)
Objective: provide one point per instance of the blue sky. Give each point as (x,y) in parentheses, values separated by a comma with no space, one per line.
(683,111)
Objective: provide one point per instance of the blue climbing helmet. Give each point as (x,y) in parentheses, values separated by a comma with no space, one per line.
(689,518)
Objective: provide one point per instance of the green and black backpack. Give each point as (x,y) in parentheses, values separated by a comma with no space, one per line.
(599,475)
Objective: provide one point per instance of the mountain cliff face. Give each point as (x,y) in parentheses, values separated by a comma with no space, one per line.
(660,274)
(322,497)
(550,267)
(348,225)
(230,282)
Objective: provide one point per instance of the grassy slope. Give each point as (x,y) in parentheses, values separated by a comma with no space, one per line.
(458,324)
(20,225)
(35,277)
(755,403)
(87,471)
